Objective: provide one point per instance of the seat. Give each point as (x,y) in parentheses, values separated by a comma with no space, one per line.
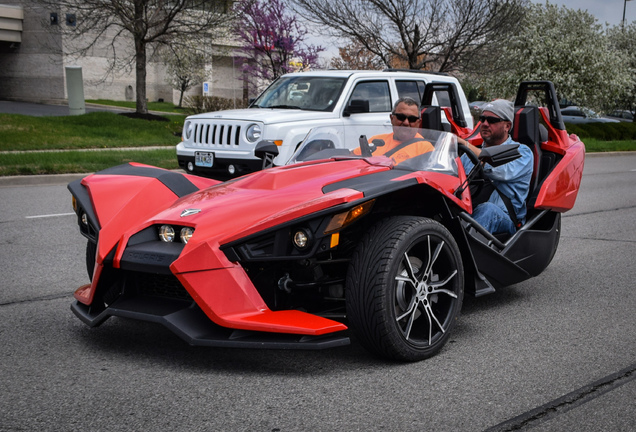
(526,130)
(432,118)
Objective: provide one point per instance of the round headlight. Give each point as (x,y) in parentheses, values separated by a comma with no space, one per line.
(301,239)
(166,233)
(253,133)
(84,219)
(186,234)
(187,129)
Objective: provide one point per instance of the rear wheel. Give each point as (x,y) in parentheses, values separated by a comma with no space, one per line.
(405,288)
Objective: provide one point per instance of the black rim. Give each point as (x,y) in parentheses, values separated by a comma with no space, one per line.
(426,291)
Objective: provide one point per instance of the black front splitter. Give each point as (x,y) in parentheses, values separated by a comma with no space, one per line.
(188,321)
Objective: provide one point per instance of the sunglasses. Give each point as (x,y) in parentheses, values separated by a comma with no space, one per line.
(490,119)
(401,117)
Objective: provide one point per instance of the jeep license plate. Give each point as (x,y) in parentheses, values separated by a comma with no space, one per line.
(204,159)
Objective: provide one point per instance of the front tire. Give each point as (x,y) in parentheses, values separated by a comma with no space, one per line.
(91,254)
(405,288)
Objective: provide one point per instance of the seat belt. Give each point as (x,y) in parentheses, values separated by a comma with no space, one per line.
(510,207)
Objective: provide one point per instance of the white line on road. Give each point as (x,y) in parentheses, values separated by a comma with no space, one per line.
(50,215)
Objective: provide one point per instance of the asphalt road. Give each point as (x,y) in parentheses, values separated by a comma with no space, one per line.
(555,353)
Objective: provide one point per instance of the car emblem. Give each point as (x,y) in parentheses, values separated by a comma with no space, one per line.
(189,212)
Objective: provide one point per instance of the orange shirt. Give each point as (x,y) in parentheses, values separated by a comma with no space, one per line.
(410,151)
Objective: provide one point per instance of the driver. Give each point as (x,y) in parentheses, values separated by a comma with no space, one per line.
(404,142)
(511,181)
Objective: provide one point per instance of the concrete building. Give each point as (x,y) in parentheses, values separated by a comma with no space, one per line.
(33,61)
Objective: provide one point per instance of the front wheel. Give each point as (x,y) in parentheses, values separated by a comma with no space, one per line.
(405,288)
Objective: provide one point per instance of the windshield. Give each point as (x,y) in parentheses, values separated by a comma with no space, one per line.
(302,92)
(406,148)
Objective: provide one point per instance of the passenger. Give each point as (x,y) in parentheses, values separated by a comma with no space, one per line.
(511,179)
(404,142)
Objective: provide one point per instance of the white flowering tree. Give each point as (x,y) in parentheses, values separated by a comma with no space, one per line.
(565,46)
(185,68)
(623,40)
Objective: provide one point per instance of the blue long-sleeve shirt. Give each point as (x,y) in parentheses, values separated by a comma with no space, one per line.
(512,179)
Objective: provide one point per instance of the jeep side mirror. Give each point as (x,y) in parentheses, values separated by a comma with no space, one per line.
(356,106)
(499,155)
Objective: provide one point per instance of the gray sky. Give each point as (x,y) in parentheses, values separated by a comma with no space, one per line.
(610,11)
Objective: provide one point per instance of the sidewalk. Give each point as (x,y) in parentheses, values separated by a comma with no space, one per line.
(60,109)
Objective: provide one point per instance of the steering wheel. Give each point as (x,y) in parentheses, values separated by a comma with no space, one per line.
(476,177)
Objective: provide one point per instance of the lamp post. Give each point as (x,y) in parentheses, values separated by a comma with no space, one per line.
(624,8)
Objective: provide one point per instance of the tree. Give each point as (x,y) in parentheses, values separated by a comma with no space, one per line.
(438,35)
(273,41)
(357,57)
(133,29)
(622,40)
(186,68)
(564,46)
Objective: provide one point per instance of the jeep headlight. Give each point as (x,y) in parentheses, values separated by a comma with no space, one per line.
(187,129)
(253,133)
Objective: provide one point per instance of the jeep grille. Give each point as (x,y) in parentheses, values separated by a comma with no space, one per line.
(218,135)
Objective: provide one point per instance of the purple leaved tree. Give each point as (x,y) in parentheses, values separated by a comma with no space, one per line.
(272,42)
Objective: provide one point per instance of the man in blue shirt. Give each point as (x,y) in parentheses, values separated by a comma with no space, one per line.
(511,179)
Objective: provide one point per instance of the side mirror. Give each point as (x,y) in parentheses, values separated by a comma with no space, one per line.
(356,106)
(500,155)
(267,151)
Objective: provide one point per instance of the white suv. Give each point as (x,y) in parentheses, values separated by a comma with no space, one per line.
(222,143)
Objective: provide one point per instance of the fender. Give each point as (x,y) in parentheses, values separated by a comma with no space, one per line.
(123,196)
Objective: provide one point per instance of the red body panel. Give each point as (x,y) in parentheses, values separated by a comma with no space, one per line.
(561,187)
(229,211)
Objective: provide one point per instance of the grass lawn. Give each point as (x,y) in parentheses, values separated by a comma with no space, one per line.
(82,161)
(92,130)
(105,130)
(597,146)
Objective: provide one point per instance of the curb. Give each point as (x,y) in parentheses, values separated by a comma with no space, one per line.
(39,180)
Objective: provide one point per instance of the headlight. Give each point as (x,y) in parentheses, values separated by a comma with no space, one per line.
(301,239)
(253,133)
(166,233)
(186,234)
(187,129)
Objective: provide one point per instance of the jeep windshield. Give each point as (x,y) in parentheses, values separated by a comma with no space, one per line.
(306,93)
(405,148)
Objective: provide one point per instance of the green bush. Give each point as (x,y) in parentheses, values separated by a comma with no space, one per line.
(604,131)
(203,104)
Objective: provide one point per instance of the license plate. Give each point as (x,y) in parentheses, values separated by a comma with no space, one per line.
(204,159)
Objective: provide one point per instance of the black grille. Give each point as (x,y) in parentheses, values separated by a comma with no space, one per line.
(159,285)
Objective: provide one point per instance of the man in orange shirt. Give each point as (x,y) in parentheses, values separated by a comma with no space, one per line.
(404,142)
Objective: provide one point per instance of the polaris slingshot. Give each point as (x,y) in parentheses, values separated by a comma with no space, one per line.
(292,256)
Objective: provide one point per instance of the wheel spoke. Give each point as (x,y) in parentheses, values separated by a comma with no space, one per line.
(409,310)
(407,332)
(409,269)
(435,255)
(435,285)
(429,311)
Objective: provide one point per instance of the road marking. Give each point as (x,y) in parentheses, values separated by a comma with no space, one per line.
(49,215)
